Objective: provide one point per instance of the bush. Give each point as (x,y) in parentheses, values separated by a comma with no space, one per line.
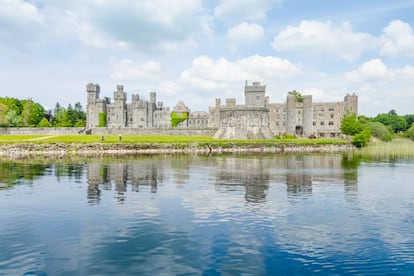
(380,131)
(44,123)
(362,138)
(410,132)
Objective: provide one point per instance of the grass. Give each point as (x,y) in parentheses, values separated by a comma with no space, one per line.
(144,139)
(396,149)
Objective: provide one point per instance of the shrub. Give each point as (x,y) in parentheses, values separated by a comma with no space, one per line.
(44,123)
(410,132)
(362,138)
(380,131)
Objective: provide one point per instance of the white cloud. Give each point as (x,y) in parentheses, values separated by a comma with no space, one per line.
(127,69)
(372,70)
(314,37)
(397,39)
(237,10)
(19,12)
(245,33)
(209,74)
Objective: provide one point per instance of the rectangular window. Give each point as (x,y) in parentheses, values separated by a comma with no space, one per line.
(332,116)
(331,108)
(257,98)
(331,123)
(314,123)
(322,123)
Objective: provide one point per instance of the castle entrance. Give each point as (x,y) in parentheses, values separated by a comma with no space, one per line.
(299,130)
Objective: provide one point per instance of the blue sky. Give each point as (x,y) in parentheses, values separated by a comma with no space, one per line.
(196,51)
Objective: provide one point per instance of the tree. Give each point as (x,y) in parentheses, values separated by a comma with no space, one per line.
(362,138)
(410,132)
(380,131)
(14,120)
(297,94)
(44,123)
(62,118)
(350,125)
(392,120)
(32,113)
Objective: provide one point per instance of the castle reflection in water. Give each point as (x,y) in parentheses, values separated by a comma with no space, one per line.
(228,173)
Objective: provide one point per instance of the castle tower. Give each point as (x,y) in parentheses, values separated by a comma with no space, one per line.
(93,91)
(118,114)
(254,94)
(307,115)
(351,103)
(291,114)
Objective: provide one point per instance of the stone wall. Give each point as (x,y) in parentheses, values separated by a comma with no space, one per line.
(41,131)
(159,132)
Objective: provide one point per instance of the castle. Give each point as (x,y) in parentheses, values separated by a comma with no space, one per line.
(257,118)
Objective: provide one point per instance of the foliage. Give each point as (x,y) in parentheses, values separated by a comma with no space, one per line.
(380,131)
(392,120)
(62,118)
(297,94)
(178,117)
(14,120)
(32,113)
(410,119)
(410,132)
(102,119)
(44,123)
(350,125)
(362,138)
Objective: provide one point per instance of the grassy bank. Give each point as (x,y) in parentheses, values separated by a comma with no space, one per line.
(143,139)
(396,149)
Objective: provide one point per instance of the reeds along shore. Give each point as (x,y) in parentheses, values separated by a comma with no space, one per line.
(396,149)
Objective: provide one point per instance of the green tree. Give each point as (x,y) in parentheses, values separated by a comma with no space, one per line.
(392,120)
(62,118)
(362,138)
(297,94)
(32,113)
(350,125)
(14,120)
(380,131)
(410,132)
(44,123)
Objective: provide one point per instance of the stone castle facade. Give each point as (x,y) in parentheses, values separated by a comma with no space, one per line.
(257,118)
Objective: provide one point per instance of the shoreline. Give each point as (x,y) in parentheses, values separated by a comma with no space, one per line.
(99,149)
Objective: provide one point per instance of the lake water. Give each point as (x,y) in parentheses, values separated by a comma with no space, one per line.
(192,215)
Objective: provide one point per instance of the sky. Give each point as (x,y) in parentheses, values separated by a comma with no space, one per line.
(199,50)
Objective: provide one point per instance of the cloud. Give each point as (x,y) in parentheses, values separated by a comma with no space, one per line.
(209,74)
(149,25)
(237,10)
(314,37)
(397,39)
(372,70)
(19,12)
(127,69)
(19,22)
(245,33)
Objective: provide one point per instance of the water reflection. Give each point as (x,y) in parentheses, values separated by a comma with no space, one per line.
(251,173)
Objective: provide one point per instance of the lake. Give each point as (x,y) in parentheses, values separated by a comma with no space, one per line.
(209,215)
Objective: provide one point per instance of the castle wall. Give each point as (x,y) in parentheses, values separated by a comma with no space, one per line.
(244,123)
(160,132)
(257,118)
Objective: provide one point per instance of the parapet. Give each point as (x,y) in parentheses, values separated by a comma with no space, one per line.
(230,102)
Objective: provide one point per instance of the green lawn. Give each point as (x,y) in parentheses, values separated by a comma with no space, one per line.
(200,140)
